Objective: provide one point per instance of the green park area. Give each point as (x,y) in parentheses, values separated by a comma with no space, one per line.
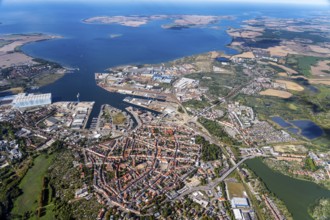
(119,118)
(32,186)
(219,85)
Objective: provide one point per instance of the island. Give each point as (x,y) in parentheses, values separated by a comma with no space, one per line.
(179,21)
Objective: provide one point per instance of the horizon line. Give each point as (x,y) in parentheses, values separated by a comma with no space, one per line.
(275,2)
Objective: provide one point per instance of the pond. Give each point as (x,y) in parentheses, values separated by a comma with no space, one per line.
(280,121)
(308,128)
(305,128)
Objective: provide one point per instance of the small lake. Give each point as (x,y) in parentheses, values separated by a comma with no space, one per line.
(298,195)
(280,121)
(306,128)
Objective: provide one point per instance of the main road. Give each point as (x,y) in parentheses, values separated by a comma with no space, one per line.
(215,182)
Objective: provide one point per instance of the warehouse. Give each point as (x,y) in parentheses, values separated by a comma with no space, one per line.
(237,202)
(24,100)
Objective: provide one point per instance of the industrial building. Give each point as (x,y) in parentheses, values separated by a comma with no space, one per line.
(237,202)
(24,100)
(237,214)
(183,83)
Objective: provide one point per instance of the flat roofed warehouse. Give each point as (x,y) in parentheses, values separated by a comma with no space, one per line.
(238,202)
(184,82)
(24,100)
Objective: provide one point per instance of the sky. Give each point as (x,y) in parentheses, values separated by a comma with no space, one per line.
(300,2)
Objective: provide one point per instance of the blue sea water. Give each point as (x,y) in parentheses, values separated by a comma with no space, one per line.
(91,49)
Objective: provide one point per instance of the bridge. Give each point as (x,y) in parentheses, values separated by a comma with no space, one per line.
(215,182)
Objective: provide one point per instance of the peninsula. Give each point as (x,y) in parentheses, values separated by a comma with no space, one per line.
(20,70)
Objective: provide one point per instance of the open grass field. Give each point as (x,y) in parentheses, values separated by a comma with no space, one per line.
(219,84)
(291,85)
(292,107)
(15,90)
(31,185)
(290,149)
(235,189)
(46,79)
(276,93)
(196,104)
(266,106)
(119,118)
(50,215)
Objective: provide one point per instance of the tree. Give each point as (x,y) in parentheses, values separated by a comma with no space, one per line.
(310,164)
(180,109)
(203,181)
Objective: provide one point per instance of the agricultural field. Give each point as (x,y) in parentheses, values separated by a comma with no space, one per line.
(291,85)
(282,74)
(248,55)
(283,68)
(323,81)
(276,93)
(321,68)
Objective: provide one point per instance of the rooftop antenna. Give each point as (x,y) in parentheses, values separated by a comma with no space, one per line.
(78,95)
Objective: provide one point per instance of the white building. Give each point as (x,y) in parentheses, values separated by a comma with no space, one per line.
(24,100)
(185,82)
(237,202)
(237,214)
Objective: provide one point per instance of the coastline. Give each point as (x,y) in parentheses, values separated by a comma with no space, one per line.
(13,48)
